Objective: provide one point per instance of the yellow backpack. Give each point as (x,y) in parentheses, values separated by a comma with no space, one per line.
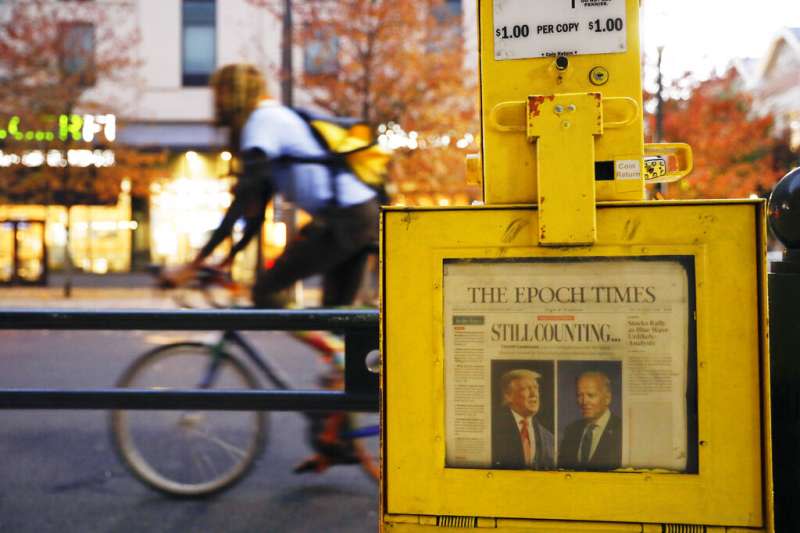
(349,142)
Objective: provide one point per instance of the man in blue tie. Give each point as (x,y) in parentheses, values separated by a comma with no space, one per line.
(595,441)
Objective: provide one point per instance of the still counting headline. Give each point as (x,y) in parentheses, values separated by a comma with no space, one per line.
(559,327)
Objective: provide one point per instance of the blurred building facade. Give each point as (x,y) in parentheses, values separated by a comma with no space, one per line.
(778,87)
(168,109)
(774,82)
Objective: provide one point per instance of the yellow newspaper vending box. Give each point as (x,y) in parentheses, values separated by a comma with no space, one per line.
(569,356)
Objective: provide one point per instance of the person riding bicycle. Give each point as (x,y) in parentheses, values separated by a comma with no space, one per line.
(344,210)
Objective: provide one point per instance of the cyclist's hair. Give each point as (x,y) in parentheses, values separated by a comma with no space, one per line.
(237,88)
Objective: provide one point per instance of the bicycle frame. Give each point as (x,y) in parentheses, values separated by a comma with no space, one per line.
(272,372)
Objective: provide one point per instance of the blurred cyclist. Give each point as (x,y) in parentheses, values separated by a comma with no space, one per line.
(344,213)
(344,210)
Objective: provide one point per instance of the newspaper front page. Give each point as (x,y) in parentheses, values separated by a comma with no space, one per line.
(566,364)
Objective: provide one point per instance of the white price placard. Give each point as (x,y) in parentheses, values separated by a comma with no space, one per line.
(545,28)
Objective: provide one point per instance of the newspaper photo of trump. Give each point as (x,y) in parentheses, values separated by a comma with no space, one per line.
(523,415)
(570,364)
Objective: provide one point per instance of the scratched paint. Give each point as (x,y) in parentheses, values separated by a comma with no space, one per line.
(631,228)
(513,229)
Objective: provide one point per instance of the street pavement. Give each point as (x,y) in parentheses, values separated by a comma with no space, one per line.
(111,291)
(59,473)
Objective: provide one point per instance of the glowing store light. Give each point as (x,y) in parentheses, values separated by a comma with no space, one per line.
(87,158)
(391,136)
(90,128)
(225,156)
(104,225)
(276,234)
(109,123)
(65,127)
(166,242)
(194,161)
(127,224)
(7,160)
(100,266)
(55,158)
(34,158)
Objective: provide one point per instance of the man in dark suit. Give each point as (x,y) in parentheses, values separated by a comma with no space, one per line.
(595,441)
(519,441)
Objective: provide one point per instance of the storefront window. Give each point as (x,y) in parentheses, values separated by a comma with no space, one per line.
(187,205)
(6,252)
(183,213)
(100,238)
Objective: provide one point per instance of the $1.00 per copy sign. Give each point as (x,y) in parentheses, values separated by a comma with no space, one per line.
(569,27)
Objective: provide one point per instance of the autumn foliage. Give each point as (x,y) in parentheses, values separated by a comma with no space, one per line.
(59,59)
(734,149)
(400,63)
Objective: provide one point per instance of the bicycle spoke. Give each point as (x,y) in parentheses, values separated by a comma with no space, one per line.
(204,463)
(230,448)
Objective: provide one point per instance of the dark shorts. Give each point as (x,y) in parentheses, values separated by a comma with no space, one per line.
(335,244)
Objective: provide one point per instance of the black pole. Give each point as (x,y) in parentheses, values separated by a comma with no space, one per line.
(287,211)
(784,332)
(661,188)
(287,44)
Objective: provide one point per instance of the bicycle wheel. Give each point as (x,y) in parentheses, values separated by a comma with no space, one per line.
(187,453)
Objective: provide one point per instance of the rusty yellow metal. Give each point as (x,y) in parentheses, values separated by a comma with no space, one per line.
(509,159)
(563,128)
(733,485)
(512,172)
(548,125)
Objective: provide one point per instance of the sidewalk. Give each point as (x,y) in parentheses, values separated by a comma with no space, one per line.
(134,290)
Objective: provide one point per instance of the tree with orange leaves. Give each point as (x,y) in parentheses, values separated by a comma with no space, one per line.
(56,59)
(733,147)
(394,63)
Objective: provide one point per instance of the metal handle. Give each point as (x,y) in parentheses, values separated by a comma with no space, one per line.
(629,103)
(510,116)
(667,162)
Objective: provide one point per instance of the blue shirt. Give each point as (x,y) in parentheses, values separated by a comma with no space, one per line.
(279,131)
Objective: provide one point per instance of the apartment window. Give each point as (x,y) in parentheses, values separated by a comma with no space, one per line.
(321,54)
(199,41)
(77,51)
(455,7)
(449,17)
(449,10)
